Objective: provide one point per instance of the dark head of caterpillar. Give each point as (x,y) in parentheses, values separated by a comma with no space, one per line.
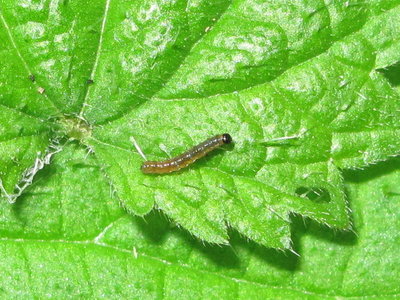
(226,138)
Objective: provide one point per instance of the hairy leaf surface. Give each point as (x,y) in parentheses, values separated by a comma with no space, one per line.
(299,86)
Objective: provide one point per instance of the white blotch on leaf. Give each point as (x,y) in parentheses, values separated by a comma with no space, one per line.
(47,65)
(159,38)
(132,63)
(33,30)
(32,4)
(63,42)
(54,15)
(129,27)
(151,13)
(40,48)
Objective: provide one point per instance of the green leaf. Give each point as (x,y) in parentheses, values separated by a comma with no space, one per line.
(343,114)
(298,86)
(60,242)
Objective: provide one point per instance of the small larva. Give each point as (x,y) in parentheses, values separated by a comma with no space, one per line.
(186,158)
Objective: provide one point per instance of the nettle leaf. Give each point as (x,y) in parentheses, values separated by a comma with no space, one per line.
(60,240)
(297,86)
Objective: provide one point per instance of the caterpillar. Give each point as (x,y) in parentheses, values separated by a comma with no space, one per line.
(186,158)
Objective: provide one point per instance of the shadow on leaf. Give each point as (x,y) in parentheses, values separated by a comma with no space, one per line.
(392,73)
